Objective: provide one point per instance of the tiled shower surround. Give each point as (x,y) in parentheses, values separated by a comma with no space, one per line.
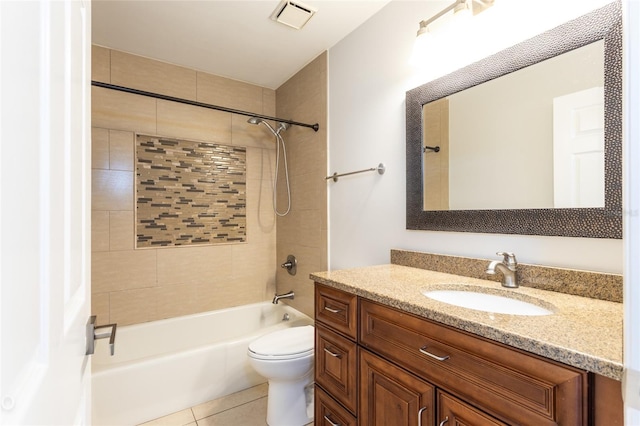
(189,192)
(133,285)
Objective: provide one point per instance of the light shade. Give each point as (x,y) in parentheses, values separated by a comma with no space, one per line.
(424,48)
(463,11)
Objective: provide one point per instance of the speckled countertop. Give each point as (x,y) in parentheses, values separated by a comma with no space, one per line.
(582,332)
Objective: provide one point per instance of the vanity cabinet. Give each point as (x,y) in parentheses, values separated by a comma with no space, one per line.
(383,366)
(508,384)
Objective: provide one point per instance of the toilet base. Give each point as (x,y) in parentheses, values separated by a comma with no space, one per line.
(287,402)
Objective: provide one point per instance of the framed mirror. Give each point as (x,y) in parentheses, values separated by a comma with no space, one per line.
(484,156)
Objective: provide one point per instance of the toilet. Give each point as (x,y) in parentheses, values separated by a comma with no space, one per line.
(285,359)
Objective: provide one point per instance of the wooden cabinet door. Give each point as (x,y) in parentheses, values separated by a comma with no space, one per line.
(392,396)
(336,366)
(453,412)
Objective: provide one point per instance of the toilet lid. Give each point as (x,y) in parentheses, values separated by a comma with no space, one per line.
(291,341)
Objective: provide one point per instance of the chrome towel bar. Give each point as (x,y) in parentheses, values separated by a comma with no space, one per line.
(381,169)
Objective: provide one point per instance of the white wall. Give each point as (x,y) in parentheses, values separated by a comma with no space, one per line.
(631,155)
(369,73)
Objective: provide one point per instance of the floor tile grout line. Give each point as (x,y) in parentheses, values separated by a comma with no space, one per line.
(193,414)
(227,409)
(230,408)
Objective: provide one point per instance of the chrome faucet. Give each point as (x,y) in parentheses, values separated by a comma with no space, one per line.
(282,296)
(508,267)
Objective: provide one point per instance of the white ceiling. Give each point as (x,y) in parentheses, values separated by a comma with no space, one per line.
(235,39)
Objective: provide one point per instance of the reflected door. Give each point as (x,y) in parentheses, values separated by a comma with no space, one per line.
(578,149)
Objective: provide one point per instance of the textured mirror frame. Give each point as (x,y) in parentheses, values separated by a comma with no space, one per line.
(604,23)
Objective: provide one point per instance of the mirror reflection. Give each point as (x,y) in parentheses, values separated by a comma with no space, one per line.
(531,139)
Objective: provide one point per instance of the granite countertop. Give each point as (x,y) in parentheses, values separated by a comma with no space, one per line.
(582,332)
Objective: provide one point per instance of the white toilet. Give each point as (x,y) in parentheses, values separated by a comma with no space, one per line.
(285,359)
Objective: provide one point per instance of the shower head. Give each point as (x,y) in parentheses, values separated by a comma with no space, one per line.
(281,126)
(256,120)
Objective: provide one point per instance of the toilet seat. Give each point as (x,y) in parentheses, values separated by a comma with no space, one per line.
(291,343)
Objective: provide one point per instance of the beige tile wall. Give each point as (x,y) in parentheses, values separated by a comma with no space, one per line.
(435,133)
(303,232)
(132,286)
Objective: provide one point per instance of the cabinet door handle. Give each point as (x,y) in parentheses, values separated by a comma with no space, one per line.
(333,311)
(446,420)
(326,417)
(333,354)
(439,358)
(422,410)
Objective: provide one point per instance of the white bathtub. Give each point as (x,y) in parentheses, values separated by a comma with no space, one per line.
(165,366)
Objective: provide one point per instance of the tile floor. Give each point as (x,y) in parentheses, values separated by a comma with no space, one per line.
(246,408)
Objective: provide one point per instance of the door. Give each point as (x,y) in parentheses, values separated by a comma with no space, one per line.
(578,149)
(45,211)
(391,396)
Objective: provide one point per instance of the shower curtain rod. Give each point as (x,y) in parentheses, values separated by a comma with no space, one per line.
(199,104)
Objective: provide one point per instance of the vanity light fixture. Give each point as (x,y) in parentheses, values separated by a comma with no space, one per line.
(459,7)
(426,47)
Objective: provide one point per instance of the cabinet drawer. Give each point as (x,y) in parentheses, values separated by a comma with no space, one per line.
(329,413)
(337,309)
(336,366)
(511,385)
(452,411)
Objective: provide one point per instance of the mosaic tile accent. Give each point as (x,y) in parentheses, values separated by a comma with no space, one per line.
(189,193)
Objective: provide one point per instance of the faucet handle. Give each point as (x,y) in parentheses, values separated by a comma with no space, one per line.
(509,258)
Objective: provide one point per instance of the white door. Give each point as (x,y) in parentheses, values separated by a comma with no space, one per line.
(45,211)
(578,149)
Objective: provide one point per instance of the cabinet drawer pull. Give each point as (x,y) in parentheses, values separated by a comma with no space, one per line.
(333,354)
(333,311)
(326,417)
(446,420)
(422,410)
(439,358)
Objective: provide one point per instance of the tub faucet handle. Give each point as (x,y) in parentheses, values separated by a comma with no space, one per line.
(291,265)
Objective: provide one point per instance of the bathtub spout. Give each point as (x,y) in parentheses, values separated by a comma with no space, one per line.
(282,296)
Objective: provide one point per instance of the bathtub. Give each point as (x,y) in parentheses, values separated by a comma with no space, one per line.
(166,366)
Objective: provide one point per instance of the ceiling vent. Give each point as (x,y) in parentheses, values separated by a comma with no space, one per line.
(293,14)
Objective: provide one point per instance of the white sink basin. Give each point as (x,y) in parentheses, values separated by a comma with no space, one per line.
(487,302)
